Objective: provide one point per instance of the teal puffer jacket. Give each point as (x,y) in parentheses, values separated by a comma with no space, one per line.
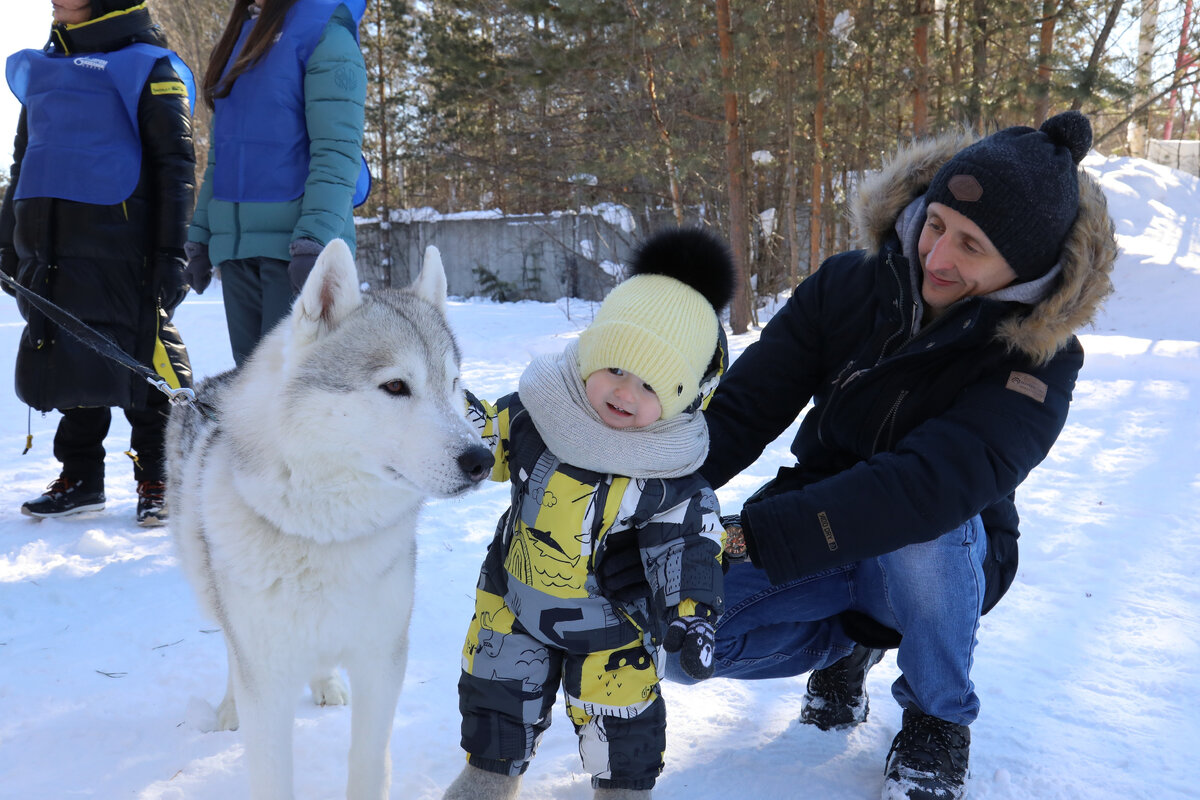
(334,97)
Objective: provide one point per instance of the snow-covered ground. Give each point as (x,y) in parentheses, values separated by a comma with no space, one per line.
(1089,670)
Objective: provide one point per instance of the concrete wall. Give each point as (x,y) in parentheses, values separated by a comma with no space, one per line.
(535,257)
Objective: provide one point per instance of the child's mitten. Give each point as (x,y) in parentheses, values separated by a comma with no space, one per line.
(692,636)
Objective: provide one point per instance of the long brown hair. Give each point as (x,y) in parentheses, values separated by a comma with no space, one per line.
(270,21)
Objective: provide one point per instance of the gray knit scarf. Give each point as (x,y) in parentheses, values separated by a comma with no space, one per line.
(553,393)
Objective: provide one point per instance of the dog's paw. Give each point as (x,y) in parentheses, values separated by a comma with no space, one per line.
(330,690)
(227,716)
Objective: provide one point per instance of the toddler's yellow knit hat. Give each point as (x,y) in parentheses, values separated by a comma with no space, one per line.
(661,323)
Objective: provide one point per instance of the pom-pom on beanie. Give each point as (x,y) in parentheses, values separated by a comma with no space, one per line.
(1020,186)
(661,323)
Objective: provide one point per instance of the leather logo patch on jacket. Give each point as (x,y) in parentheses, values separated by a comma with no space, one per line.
(1026,384)
(827,529)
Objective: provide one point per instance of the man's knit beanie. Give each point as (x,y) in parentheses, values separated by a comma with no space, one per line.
(1020,186)
(661,323)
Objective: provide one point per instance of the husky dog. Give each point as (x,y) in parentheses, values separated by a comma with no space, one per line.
(294,485)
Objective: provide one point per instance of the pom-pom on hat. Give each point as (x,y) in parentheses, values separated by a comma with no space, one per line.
(661,323)
(1020,186)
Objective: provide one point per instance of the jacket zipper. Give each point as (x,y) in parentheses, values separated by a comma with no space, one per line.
(846,375)
(889,421)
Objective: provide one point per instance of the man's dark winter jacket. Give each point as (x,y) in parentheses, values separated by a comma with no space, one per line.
(913,430)
(102,263)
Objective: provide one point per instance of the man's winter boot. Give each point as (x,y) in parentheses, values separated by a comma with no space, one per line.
(65,496)
(837,695)
(622,794)
(474,783)
(928,760)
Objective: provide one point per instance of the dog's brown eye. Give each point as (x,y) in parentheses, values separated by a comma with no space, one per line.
(397,387)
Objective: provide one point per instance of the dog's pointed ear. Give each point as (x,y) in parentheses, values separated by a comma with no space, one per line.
(431,283)
(330,293)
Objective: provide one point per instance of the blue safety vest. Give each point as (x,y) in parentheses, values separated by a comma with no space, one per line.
(81,115)
(260,139)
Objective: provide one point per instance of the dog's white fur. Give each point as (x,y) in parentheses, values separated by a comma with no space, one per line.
(294,488)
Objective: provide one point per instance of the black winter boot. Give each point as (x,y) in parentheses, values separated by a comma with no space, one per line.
(928,760)
(837,695)
(151,504)
(65,496)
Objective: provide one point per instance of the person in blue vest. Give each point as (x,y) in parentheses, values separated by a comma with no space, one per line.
(287,85)
(95,220)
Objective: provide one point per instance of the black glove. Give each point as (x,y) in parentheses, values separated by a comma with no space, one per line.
(621,575)
(199,268)
(304,255)
(170,272)
(693,638)
(8,265)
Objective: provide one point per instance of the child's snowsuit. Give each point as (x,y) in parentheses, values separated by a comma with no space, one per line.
(541,618)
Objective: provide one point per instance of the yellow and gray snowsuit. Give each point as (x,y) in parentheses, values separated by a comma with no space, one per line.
(541,617)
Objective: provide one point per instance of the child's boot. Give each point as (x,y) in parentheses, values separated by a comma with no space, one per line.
(474,783)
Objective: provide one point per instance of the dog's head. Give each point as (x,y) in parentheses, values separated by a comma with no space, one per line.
(372,379)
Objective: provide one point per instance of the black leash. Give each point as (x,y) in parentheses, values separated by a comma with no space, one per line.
(106,347)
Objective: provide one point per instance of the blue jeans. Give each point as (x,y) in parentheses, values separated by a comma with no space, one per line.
(932,593)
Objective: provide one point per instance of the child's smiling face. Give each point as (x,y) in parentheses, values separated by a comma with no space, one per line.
(622,399)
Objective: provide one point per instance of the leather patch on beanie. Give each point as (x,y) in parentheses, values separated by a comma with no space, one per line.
(1026,384)
(965,188)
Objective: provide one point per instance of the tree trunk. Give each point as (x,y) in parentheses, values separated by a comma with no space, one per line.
(382,130)
(814,219)
(1139,126)
(1084,91)
(739,308)
(978,63)
(664,134)
(1182,61)
(1045,52)
(924,10)
(790,179)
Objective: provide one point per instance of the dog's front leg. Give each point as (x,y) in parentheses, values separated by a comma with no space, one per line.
(266,708)
(375,690)
(227,718)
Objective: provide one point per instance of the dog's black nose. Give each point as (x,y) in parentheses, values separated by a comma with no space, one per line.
(476,462)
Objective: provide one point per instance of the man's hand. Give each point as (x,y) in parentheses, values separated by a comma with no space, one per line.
(734,550)
(621,574)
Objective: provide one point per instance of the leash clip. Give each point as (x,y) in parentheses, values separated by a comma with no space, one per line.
(177,397)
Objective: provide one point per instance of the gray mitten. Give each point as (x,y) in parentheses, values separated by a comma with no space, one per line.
(199,268)
(304,254)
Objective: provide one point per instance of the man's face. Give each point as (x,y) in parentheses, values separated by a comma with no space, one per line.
(72,12)
(958,260)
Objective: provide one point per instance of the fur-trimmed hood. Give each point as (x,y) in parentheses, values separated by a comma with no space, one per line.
(1087,258)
